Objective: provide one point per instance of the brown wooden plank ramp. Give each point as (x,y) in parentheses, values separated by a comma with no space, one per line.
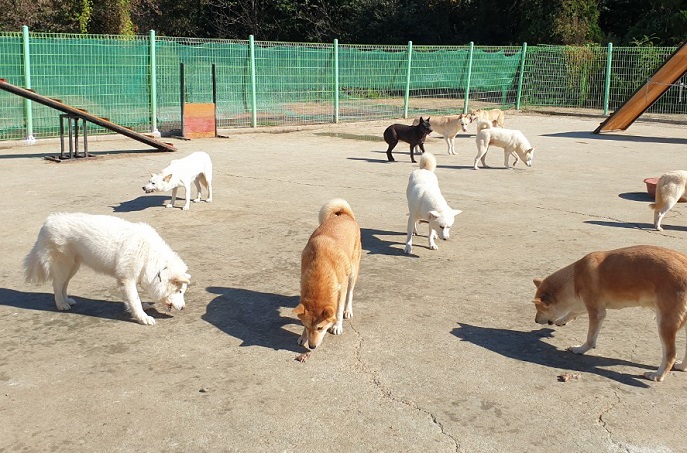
(103,122)
(668,74)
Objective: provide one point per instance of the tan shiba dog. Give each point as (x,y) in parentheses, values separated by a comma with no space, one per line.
(448,127)
(670,188)
(329,270)
(495,116)
(639,276)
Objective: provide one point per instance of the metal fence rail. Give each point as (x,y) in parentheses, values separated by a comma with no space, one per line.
(135,81)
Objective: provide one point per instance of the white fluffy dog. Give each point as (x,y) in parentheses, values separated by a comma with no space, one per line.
(512,141)
(195,168)
(426,204)
(133,253)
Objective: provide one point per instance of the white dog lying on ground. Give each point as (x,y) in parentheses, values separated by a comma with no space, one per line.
(426,204)
(512,141)
(448,127)
(195,168)
(133,253)
(670,188)
(494,116)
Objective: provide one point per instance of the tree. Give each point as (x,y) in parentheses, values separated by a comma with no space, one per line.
(573,22)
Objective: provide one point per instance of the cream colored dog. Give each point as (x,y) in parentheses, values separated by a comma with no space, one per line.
(427,204)
(670,188)
(196,168)
(448,127)
(512,141)
(494,116)
(639,276)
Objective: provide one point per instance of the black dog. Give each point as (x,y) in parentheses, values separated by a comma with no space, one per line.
(415,135)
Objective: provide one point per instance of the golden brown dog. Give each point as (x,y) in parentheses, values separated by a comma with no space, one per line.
(329,269)
(494,116)
(639,276)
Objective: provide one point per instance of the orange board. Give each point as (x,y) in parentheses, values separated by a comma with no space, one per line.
(199,120)
(668,74)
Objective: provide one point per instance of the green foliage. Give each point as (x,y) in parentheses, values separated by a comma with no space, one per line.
(430,22)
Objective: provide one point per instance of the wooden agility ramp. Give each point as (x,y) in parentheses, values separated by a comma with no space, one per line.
(667,75)
(83,114)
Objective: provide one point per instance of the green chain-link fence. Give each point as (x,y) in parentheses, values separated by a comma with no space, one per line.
(274,83)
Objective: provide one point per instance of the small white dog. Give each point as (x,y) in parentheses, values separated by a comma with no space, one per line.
(195,168)
(512,141)
(670,188)
(448,127)
(133,253)
(426,204)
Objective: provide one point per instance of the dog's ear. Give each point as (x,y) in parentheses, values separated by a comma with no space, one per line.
(456,212)
(327,313)
(299,310)
(433,214)
(167,178)
(181,279)
(151,173)
(537,282)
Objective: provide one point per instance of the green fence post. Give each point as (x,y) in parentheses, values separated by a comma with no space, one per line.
(607,89)
(407,95)
(336,80)
(522,76)
(254,117)
(28,109)
(467,82)
(153,85)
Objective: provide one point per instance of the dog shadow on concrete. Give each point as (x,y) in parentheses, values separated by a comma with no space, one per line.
(636,225)
(376,246)
(530,347)
(636,196)
(143,202)
(84,307)
(254,317)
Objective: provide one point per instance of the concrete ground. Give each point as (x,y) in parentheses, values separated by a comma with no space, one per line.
(442,354)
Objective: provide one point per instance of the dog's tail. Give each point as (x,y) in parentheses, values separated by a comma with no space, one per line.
(660,199)
(37,263)
(428,161)
(482,124)
(335,207)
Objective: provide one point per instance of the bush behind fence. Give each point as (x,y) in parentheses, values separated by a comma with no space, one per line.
(277,83)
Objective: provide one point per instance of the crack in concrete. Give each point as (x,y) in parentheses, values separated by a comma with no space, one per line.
(600,420)
(386,393)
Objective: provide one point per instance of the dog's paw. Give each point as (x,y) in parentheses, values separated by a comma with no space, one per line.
(578,349)
(433,246)
(680,366)
(348,314)
(185,208)
(146,320)
(70,301)
(197,200)
(169,205)
(302,340)
(209,200)
(653,376)
(63,306)
(336,329)
(408,249)
(475,167)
